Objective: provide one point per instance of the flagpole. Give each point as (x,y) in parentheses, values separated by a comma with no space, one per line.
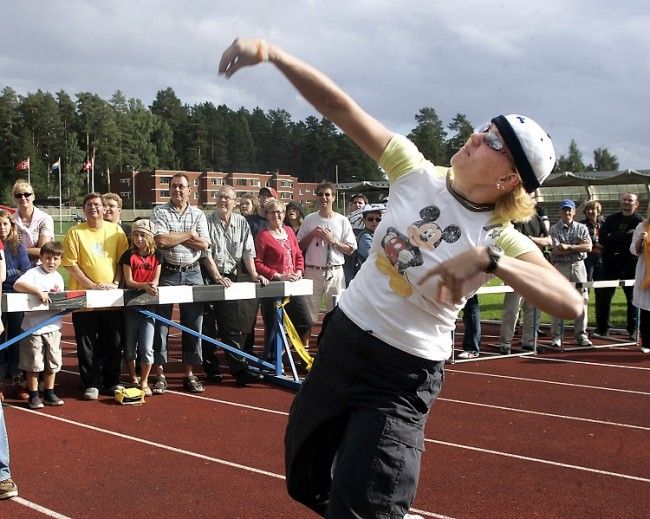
(29,171)
(92,173)
(60,200)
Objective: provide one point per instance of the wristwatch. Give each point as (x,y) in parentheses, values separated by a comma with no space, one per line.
(494,253)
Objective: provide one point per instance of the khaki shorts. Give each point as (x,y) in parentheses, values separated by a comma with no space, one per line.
(41,352)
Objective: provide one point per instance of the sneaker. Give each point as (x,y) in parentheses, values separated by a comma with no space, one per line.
(584,341)
(8,489)
(111,390)
(528,346)
(91,393)
(53,401)
(556,344)
(504,349)
(35,402)
(412,516)
(601,333)
(192,384)
(645,350)
(468,355)
(634,336)
(245,377)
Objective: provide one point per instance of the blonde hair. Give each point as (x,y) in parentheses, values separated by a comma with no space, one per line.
(592,204)
(12,240)
(150,243)
(112,196)
(273,204)
(23,185)
(517,205)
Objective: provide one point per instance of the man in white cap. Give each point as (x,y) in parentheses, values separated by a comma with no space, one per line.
(570,244)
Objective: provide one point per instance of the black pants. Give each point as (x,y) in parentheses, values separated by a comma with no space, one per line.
(221,321)
(99,350)
(356,428)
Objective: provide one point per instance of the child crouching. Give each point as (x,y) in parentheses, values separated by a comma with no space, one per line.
(41,351)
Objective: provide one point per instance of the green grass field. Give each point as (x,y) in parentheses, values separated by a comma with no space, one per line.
(492,306)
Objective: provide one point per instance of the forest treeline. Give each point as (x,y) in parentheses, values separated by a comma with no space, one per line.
(125,134)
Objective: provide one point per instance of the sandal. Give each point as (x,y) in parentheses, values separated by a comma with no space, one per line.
(159,385)
(192,384)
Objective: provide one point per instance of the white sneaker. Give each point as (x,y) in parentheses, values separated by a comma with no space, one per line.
(466,355)
(583,341)
(412,516)
(556,344)
(645,350)
(91,393)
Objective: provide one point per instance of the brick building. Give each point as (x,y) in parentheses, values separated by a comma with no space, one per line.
(150,188)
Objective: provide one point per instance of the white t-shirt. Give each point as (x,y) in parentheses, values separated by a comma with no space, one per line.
(47,282)
(424,225)
(317,250)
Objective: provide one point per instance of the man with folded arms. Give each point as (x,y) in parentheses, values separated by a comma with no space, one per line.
(182,235)
(570,245)
(326,237)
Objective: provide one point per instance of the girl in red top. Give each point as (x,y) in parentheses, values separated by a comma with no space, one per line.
(141,265)
(278,258)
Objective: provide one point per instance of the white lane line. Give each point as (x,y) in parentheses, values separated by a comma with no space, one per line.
(589,363)
(39,508)
(174,450)
(152,444)
(549,415)
(542,461)
(550,382)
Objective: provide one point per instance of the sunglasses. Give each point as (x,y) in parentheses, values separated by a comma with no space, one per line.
(492,140)
(22,195)
(374,219)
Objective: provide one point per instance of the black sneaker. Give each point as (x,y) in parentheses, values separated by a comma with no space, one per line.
(35,402)
(53,401)
(244,378)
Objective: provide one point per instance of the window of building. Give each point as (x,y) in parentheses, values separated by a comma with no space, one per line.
(286,183)
(165,180)
(217,182)
(196,182)
(285,196)
(254,182)
(241,182)
(126,181)
(164,194)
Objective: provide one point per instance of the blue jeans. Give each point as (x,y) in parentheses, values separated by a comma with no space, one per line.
(139,331)
(356,428)
(4,448)
(191,317)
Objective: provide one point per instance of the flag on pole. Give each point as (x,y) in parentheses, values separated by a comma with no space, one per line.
(23,165)
(56,166)
(87,166)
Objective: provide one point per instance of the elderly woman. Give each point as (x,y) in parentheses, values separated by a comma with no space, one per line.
(640,247)
(356,428)
(593,220)
(35,227)
(279,259)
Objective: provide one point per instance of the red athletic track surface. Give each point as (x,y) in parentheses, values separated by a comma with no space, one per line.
(557,435)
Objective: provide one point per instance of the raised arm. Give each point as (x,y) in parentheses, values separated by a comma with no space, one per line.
(319,90)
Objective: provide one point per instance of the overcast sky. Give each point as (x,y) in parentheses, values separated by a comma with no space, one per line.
(580,67)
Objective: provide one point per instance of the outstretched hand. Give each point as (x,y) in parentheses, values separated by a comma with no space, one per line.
(243,53)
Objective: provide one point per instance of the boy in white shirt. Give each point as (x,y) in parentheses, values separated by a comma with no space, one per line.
(41,351)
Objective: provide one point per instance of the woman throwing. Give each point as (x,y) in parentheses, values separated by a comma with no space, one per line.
(356,428)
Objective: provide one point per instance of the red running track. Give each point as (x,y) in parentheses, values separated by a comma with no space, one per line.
(557,435)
